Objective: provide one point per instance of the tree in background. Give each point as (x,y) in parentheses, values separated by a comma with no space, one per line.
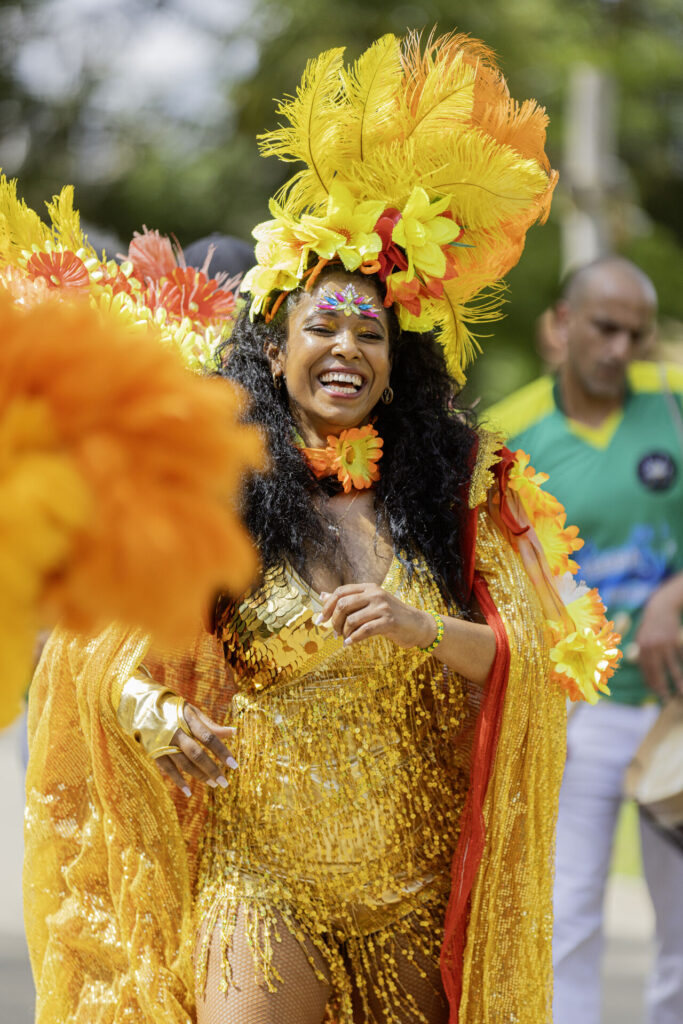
(151,108)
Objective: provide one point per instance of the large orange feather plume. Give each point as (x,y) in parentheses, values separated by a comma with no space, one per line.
(119,482)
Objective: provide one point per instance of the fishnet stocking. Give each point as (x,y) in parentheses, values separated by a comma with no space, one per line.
(418,980)
(299,999)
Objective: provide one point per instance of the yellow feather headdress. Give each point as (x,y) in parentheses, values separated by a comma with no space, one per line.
(418,167)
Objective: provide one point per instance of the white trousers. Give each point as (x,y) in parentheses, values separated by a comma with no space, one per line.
(601,741)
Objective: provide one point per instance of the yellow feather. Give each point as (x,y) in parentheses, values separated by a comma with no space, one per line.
(489,183)
(20,226)
(312,116)
(453,318)
(372,88)
(444,100)
(66,222)
(387,172)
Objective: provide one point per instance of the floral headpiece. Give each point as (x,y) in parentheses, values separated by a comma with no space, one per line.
(419,168)
(152,286)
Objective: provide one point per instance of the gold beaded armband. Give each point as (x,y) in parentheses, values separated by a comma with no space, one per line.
(439,631)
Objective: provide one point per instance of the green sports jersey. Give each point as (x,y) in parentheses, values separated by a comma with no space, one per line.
(621,484)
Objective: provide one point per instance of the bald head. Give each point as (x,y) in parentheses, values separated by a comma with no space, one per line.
(606,318)
(608,272)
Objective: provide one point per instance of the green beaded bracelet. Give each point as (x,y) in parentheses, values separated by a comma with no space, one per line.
(439,632)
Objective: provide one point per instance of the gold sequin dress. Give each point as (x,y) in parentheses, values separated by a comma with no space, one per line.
(343,815)
(121,869)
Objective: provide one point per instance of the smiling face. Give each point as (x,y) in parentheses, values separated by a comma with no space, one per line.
(336,362)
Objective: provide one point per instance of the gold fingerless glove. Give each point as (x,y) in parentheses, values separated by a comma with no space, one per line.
(151,714)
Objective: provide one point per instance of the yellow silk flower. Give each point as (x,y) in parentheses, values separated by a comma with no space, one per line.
(354,222)
(422,233)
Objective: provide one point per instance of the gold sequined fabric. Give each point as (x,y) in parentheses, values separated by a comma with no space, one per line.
(121,870)
(507,971)
(488,454)
(343,816)
(110,849)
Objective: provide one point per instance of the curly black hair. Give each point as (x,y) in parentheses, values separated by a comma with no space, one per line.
(425,468)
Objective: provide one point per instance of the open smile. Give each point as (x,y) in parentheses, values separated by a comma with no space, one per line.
(341,383)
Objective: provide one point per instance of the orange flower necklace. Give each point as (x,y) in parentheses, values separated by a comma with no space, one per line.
(352,457)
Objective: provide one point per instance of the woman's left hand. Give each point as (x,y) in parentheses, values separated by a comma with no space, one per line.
(357,611)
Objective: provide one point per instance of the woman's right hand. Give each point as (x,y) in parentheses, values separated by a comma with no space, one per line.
(199,751)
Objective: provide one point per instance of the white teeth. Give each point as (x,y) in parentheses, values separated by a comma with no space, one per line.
(341,378)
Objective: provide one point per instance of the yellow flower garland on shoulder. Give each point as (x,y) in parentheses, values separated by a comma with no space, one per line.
(585,652)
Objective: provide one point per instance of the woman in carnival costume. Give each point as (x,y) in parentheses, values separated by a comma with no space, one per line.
(390,695)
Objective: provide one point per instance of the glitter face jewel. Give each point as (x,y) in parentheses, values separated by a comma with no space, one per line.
(348,301)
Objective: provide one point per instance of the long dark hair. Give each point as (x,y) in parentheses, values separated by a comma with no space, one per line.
(425,467)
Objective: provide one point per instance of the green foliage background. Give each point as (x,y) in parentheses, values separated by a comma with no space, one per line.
(220,183)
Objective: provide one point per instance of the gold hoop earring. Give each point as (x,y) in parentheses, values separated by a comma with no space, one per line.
(277,381)
(387,396)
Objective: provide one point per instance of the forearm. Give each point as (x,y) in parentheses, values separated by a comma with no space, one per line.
(466,647)
(669,594)
(358,611)
(658,646)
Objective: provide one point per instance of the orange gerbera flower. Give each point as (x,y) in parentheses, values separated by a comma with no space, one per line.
(352,457)
(189,292)
(59,269)
(524,479)
(558,542)
(152,255)
(113,277)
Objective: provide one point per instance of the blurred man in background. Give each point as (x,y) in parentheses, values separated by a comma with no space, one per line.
(609,431)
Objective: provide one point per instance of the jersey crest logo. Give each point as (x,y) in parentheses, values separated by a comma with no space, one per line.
(657,470)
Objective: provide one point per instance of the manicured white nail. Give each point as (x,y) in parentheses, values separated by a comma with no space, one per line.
(348,641)
(324,595)
(212,783)
(231,763)
(222,781)
(318,620)
(187,791)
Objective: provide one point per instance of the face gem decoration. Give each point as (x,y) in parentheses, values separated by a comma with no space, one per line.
(348,301)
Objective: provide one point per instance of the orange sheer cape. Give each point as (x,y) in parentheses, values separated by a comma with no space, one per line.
(110,853)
